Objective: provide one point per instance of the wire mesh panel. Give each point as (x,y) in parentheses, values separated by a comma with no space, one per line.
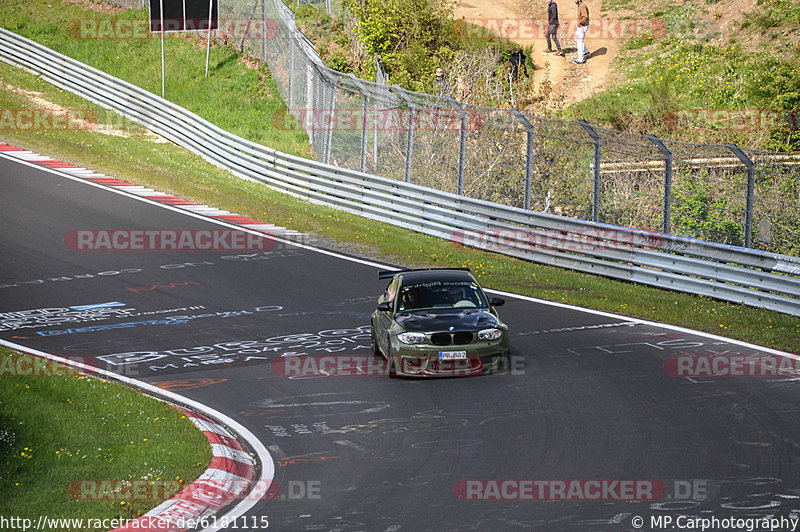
(348,123)
(709,192)
(776,202)
(390,131)
(562,168)
(495,156)
(435,132)
(320,94)
(632,180)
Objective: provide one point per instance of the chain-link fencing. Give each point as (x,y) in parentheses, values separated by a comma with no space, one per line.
(719,193)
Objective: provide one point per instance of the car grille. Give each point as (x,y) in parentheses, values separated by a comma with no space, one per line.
(458,338)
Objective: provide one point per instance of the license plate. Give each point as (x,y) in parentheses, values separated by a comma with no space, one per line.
(452,355)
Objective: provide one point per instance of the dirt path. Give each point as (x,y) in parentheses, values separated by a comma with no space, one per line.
(525,22)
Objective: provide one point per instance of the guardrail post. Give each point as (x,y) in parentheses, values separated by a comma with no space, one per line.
(365,111)
(751,183)
(665,224)
(595,170)
(462,143)
(528,156)
(410,137)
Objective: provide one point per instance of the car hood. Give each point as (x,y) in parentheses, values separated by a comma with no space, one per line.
(460,320)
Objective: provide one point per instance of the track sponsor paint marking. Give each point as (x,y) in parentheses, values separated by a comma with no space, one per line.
(247,351)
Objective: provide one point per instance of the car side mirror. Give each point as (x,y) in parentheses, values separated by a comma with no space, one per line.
(386,306)
(497,301)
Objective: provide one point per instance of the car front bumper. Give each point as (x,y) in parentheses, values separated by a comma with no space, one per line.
(424,360)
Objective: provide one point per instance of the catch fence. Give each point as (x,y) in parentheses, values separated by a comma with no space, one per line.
(718,193)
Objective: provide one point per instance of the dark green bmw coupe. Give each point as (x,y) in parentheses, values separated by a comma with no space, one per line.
(437,323)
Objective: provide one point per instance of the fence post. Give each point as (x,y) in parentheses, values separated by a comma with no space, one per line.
(596,169)
(528,156)
(331,122)
(410,138)
(665,225)
(291,72)
(309,125)
(375,118)
(320,99)
(365,110)
(751,183)
(462,143)
(264,30)
(380,81)
(247,29)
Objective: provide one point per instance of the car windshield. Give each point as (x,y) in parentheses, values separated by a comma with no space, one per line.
(441,294)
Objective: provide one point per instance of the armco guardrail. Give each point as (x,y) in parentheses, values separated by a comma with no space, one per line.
(729,273)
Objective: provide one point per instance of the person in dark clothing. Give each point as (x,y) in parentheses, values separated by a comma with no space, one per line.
(552,28)
(516,63)
(441,85)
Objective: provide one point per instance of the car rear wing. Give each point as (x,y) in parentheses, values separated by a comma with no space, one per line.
(391,273)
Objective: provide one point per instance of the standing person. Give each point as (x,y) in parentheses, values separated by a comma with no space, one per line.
(441,85)
(580,34)
(552,28)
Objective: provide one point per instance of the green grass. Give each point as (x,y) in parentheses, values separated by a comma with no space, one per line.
(693,66)
(46,449)
(238,95)
(775,13)
(173,170)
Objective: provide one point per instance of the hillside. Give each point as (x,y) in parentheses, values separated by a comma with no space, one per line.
(717,71)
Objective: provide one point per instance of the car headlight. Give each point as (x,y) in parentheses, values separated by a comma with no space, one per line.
(411,338)
(490,334)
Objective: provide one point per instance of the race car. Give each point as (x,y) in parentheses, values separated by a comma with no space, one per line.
(438,322)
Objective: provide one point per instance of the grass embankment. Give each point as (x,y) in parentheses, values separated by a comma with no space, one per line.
(699,61)
(67,441)
(238,95)
(170,169)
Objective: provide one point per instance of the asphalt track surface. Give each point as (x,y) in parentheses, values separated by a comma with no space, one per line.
(589,397)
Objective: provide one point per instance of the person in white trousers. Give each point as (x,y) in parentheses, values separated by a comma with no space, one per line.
(580,33)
